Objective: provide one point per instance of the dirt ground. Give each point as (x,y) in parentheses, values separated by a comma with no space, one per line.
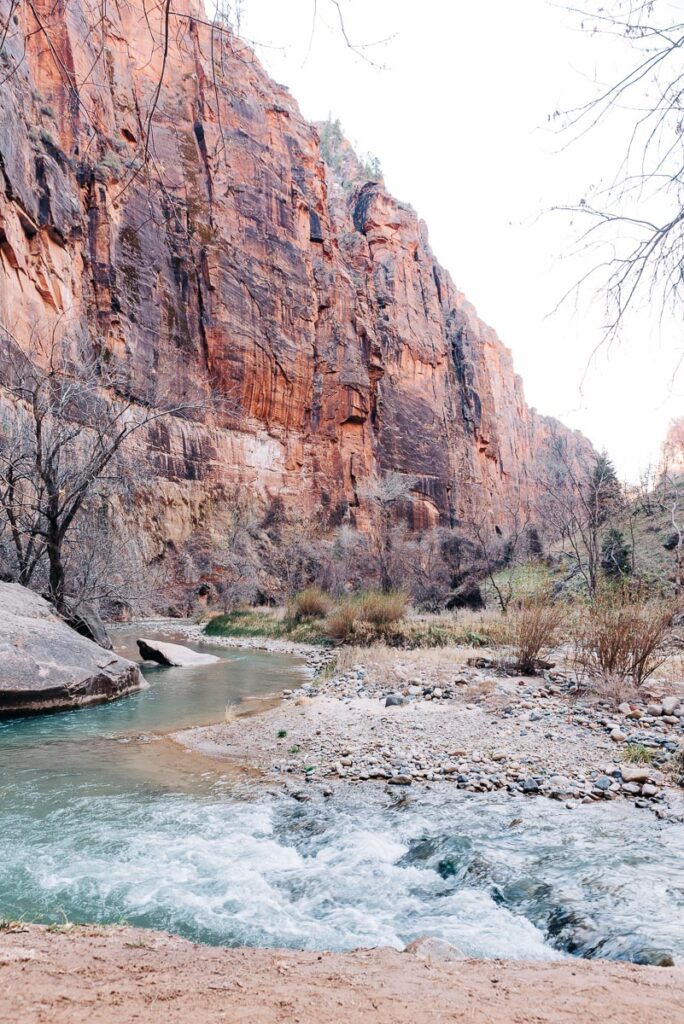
(122,975)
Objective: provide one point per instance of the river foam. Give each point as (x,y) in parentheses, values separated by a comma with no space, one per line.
(356,871)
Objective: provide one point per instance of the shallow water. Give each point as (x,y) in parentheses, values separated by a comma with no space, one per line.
(98,824)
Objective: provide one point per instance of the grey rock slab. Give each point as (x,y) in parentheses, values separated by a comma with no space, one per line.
(173,654)
(47,666)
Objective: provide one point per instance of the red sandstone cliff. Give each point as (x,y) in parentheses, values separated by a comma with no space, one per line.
(234,256)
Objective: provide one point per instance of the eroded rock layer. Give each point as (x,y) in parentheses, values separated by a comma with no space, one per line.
(172,203)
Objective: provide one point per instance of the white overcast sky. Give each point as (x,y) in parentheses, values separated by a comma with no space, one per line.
(458,118)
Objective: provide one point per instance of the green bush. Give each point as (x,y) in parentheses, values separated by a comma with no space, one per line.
(637,753)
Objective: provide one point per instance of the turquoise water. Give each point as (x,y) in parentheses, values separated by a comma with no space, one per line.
(102,819)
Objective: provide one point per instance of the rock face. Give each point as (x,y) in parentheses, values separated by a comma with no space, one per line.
(672,451)
(173,654)
(46,666)
(237,258)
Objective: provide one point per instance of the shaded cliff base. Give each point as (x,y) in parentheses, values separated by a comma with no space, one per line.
(118,975)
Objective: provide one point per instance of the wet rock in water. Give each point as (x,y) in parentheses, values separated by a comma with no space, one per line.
(449,867)
(45,665)
(394,700)
(173,654)
(530,785)
(431,949)
(400,780)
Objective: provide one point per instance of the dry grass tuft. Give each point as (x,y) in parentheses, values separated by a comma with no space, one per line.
(309,604)
(365,618)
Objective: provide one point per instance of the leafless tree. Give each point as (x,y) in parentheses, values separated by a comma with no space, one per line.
(495,550)
(427,567)
(634,221)
(575,506)
(68,420)
(383,494)
(292,548)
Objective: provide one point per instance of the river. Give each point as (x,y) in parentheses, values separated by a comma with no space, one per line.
(103,819)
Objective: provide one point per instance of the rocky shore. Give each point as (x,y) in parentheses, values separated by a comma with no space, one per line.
(390,721)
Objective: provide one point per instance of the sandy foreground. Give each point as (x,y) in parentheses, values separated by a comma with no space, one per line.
(120,975)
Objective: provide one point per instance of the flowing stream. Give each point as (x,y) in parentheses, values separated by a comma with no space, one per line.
(102,819)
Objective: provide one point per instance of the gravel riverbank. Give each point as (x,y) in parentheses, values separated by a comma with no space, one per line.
(387,719)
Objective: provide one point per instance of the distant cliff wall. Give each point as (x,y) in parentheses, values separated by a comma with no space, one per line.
(234,257)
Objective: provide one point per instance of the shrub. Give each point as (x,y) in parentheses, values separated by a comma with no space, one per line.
(535,627)
(367,617)
(622,637)
(309,604)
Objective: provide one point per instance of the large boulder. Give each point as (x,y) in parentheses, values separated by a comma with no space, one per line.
(173,654)
(47,666)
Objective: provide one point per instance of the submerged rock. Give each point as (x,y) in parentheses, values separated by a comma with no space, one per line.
(47,666)
(173,654)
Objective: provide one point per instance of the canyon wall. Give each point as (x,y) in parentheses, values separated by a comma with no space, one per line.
(162,196)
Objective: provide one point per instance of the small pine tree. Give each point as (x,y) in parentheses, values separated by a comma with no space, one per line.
(615,554)
(332,139)
(604,490)
(534,544)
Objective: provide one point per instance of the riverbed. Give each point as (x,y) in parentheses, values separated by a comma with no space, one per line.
(103,819)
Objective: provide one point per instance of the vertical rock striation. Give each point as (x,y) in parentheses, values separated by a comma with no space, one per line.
(233,256)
